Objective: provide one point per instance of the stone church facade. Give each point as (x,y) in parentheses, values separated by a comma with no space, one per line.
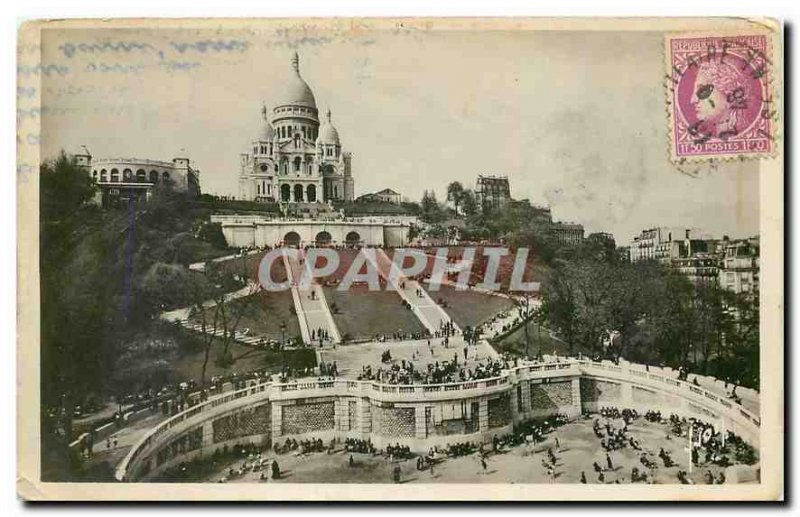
(295,158)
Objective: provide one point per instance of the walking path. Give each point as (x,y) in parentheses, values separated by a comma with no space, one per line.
(183,313)
(431,314)
(350,359)
(310,302)
(181,316)
(201,266)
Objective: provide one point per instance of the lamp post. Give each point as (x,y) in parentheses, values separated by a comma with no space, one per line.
(283,334)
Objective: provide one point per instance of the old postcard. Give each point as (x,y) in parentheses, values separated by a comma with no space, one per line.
(400,259)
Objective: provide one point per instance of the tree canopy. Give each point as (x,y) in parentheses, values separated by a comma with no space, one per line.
(647,312)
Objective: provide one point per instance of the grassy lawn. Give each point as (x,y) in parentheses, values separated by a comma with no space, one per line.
(364,314)
(250,264)
(514,342)
(164,353)
(189,365)
(469,308)
(263,315)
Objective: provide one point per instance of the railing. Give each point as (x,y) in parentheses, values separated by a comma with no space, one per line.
(142,161)
(149,438)
(278,219)
(682,388)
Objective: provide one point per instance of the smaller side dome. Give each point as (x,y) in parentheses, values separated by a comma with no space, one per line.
(267,132)
(327,133)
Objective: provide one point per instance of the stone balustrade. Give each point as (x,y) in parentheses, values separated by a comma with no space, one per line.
(424,415)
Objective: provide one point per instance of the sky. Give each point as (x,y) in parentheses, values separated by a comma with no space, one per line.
(576,120)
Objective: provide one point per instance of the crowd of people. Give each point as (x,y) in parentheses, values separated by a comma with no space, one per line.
(653,416)
(610,426)
(438,372)
(306,446)
(707,449)
(401,335)
(626,414)
(549,463)
(455,450)
(359,446)
(398,452)
(530,432)
(328,369)
(447,328)
(201,467)
(268,468)
(320,335)
(611,438)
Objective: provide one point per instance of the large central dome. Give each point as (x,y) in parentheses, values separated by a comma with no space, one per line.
(297,91)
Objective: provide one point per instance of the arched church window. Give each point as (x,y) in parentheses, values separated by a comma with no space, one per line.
(297,164)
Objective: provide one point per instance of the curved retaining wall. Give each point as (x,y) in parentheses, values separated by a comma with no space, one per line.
(422,416)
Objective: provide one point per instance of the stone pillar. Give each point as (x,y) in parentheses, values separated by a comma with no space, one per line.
(208,433)
(365,416)
(526,396)
(277,418)
(341,414)
(513,401)
(421,426)
(576,396)
(483,415)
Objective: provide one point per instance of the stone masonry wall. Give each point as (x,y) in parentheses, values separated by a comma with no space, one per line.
(499,411)
(393,421)
(597,393)
(247,422)
(550,398)
(307,417)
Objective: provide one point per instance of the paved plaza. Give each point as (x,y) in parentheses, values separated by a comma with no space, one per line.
(578,449)
(350,358)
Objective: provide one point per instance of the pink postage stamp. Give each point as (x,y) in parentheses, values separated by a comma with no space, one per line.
(719,95)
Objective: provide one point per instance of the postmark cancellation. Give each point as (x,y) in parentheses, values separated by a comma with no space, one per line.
(720,98)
